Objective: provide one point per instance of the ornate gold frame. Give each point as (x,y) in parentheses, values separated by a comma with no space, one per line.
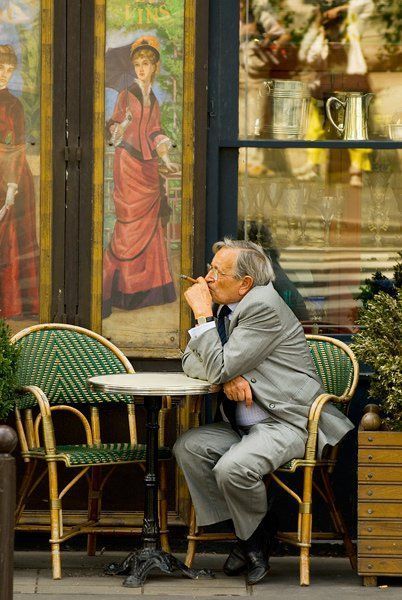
(187,245)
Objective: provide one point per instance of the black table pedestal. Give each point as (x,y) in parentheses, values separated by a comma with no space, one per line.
(139,563)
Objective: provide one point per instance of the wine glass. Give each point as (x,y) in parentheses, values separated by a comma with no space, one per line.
(327,210)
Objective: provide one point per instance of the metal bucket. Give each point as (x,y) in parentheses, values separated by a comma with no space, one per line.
(286,110)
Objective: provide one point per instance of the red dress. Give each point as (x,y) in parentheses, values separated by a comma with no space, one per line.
(19,253)
(135,267)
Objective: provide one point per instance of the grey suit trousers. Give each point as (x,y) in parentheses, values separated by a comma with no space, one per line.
(224,470)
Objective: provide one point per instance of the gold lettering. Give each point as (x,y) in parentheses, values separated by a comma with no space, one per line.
(127,12)
(164,12)
(140,13)
(152,15)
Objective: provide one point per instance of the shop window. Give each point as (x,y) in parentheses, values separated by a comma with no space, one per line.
(320,69)
(319,138)
(324,236)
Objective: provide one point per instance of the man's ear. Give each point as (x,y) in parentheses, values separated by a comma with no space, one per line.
(246,285)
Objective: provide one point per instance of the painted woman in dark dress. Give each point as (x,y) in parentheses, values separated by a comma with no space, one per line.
(19,281)
(136,271)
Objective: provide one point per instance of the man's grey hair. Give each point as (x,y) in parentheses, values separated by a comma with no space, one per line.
(251,260)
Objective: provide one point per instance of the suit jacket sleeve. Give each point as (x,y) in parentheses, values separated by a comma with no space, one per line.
(255,335)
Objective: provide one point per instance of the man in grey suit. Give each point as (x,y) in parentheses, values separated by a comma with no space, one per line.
(256,349)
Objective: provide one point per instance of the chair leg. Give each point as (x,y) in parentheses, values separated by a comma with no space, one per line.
(192,543)
(55,520)
(163,508)
(94,506)
(24,488)
(338,520)
(305,510)
(304,566)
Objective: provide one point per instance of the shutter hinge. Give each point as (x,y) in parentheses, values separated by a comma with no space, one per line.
(72,154)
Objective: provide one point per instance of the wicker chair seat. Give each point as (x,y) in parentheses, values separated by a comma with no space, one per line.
(80,455)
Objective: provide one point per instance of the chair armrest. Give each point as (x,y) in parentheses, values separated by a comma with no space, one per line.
(313,420)
(40,397)
(46,415)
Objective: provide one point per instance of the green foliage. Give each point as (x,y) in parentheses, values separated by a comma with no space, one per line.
(398,272)
(379,345)
(380,283)
(8,371)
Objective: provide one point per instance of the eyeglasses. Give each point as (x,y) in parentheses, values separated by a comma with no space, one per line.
(216,273)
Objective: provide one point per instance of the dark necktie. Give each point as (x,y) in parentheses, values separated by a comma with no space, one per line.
(229,406)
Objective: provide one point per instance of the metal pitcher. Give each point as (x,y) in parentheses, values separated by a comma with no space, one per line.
(355,114)
(286,110)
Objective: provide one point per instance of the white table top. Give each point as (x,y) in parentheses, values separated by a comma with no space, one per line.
(150,384)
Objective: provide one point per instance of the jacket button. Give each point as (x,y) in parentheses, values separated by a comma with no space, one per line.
(253,380)
(272,405)
(201,360)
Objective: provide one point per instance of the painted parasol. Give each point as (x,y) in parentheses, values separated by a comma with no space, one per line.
(119,69)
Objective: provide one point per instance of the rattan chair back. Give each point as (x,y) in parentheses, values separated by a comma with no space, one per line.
(336,365)
(59,358)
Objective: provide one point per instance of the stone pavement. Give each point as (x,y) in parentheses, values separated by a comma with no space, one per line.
(331,579)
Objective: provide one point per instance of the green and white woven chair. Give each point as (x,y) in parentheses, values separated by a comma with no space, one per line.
(55,363)
(339,371)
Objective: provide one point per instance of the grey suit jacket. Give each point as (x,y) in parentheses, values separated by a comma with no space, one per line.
(267,346)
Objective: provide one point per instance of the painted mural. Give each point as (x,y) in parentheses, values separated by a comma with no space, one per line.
(144,81)
(19,158)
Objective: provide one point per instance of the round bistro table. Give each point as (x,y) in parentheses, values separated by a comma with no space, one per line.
(152,386)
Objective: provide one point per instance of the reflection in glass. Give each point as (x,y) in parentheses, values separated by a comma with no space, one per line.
(329,48)
(325,237)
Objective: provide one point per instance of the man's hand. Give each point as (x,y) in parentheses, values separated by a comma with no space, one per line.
(199,298)
(238,389)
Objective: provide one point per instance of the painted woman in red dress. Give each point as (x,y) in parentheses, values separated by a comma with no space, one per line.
(19,254)
(135,268)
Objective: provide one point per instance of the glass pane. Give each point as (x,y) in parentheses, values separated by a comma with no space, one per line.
(143,182)
(19,161)
(325,235)
(320,69)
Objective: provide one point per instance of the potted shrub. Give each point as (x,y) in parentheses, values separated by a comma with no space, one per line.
(8,371)
(379,344)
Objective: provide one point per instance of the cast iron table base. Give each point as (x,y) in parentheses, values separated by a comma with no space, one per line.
(138,564)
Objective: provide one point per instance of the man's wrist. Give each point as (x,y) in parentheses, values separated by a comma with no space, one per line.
(205,312)
(201,320)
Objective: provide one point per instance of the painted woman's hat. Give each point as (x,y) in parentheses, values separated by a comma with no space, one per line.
(148,42)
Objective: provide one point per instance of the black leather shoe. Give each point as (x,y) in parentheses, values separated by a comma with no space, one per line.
(255,549)
(236,562)
(257,566)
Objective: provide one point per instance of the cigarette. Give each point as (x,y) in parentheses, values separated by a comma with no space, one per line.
(188,278)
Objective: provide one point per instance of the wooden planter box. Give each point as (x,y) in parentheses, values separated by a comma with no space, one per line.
(379,505)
